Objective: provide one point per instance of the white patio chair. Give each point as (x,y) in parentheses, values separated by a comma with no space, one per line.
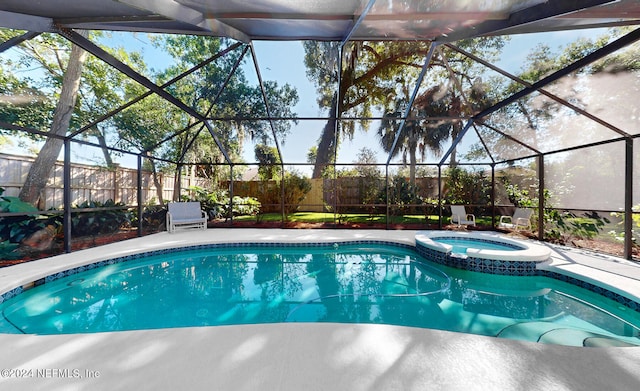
(460,216)
(521,219)
(185,215)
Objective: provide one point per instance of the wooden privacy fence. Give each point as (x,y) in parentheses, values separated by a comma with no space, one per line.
(268,192)
(352,193)
(94,183)
(90,183)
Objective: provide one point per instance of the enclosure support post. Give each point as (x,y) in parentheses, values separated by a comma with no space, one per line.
(541,204)
(231,193)
(66,218)
(440,196)
(283,215)
(493,195)
(139,196)
(628,199)
(386,189)
(336,129)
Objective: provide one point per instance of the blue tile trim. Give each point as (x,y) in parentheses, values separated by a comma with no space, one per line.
(482,265)
(593,288)
(12,293)
(466,263)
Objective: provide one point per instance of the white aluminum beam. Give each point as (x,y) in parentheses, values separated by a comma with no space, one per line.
(176,11)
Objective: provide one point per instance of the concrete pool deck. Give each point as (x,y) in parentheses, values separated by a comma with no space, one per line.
(308,356)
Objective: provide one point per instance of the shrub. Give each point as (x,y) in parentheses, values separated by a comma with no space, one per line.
(296,188)
(246,206)
(99,221)
(567,225)
(519,197)
(216,202)
(153,216)
(560,226)
(467,187)
(635,218)
(15,229)
(8,250)
(402,194)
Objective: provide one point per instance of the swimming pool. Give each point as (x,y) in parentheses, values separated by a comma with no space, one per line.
(339,282)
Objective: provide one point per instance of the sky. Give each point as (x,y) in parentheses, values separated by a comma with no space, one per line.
(284,63)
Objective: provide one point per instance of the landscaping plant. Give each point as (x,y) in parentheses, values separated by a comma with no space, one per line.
(100,221)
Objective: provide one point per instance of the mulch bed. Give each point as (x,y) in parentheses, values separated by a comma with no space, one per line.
(80,243)
(76,244)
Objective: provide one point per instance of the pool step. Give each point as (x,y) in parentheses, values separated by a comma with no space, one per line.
(526,331)
(553,333)
(575,337)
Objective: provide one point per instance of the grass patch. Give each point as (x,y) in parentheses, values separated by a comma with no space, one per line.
(350,218)
(353,218)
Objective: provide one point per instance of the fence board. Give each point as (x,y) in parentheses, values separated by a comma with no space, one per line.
(89,183)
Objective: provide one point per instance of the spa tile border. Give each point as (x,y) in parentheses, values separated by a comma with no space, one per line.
(482,265)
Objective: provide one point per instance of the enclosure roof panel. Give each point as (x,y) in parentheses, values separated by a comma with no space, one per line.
(445,20)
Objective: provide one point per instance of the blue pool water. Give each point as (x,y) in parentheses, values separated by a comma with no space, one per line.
(345,283)
(460,245)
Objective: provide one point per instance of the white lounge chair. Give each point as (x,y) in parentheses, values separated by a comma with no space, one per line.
(521,219)
(185,215)
(460,216)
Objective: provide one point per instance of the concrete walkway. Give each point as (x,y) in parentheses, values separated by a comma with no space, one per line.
(305,356)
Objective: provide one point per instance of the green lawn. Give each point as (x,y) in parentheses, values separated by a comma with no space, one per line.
(354,218)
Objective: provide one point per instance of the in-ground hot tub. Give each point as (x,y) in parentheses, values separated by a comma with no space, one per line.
(482,252)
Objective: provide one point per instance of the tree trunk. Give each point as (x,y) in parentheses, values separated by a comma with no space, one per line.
(455,131)
(328,142)
(412,165)
(156,182)
(177,183)
(33,188)
(103,145)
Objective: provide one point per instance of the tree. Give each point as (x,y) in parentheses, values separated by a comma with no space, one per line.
(467,187)
(103,89)
(144,126)
(33,80)
(41,168)
(40,78)
(369,70)
(369,175)
(453,88)
(21,102)
(417,136)
(238,99)
(545,124)
(365,163)
(269,161)
(376,75)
